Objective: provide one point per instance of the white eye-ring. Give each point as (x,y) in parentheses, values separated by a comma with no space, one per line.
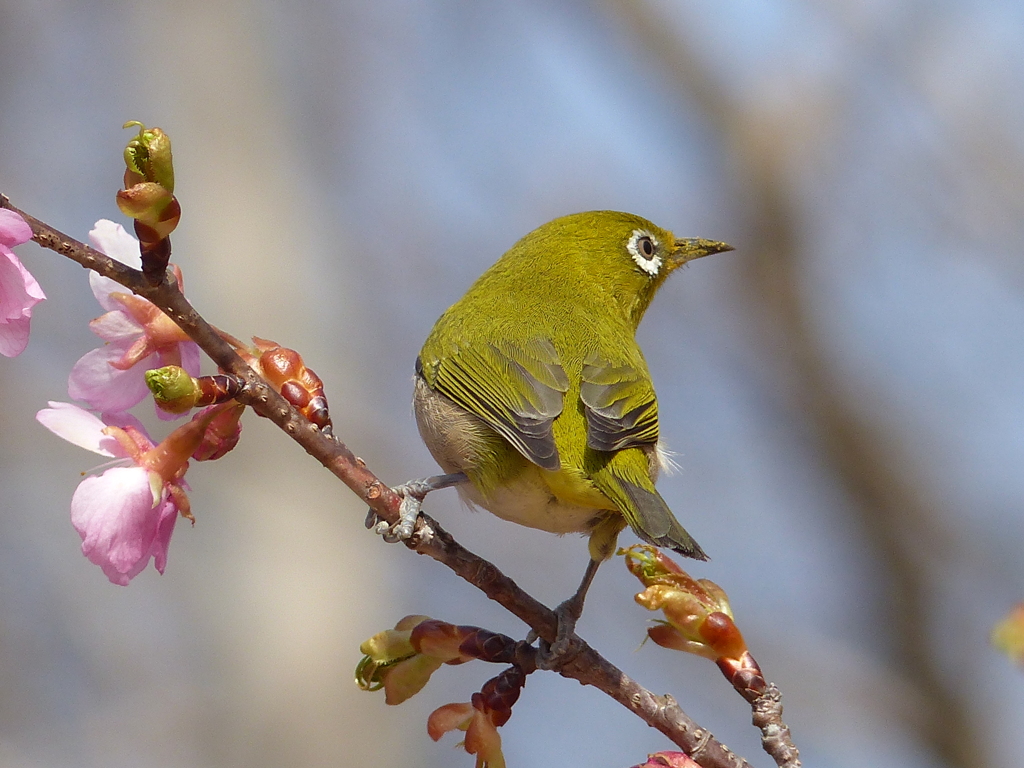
(643,247)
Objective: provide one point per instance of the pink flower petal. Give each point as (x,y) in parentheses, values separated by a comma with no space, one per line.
(122,419)
(19,293)
(102,287)
(17,285)
(115,326)
(162,540)
(190,357)
(95,381)
(14,336)
(115,242)
(125,516)
(669,760)
(13,229)
(78,426)
(118,521)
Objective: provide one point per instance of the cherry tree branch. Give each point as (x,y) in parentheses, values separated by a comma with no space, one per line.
(775,736)
(581,663)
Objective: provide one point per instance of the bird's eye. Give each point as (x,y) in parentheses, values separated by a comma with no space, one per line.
(643,247)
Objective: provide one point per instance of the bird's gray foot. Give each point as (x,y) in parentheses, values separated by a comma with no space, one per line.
(412,494)
(552,655)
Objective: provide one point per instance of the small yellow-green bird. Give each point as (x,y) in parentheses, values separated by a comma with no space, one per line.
(532,393)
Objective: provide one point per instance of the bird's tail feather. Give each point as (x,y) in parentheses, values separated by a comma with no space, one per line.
(649,516)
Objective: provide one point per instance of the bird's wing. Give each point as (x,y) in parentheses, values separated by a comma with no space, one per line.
(624,480)
(515,388)
(620,405)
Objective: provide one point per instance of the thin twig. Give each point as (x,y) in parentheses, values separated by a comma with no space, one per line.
(747,679)
(582,662)
(775,736)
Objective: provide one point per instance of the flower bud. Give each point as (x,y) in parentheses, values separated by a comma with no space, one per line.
(148,157)
(148,196)
(223,432)
(699,618)
(401,660)
(174,390)
(155,210)
(288,374)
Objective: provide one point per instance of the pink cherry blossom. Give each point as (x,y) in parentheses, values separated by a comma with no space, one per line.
(138,336)
(124,519)
(125,515)
(669,760)
(19,291)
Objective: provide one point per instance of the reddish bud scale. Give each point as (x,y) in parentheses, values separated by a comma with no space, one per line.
(317,413)
(744,674)
(156,254)
(722,635)
(297,383)
(440,640)
(145,201)
(295,394)
(279,364)
(500,693)
(218,389)
(222,433)
(489,646)
(153,227)
(315,406)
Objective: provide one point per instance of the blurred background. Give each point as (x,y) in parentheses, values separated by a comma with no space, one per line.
(844,391)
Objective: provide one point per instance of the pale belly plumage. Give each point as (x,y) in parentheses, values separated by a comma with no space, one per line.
(528,501)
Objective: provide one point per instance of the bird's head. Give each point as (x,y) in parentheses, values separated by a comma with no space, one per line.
(617,254)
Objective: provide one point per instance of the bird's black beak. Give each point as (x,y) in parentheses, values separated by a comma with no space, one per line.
(690,248)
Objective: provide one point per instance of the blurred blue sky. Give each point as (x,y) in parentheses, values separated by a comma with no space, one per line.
(844,390)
